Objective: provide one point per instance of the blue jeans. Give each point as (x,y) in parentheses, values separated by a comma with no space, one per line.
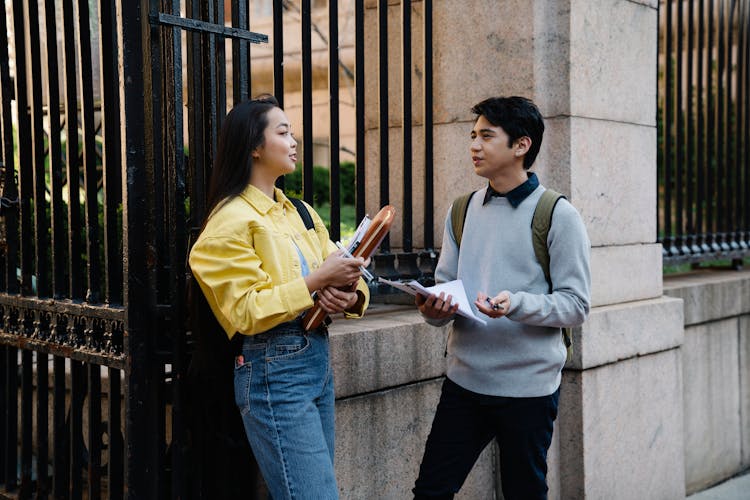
(465,422)
(283,386)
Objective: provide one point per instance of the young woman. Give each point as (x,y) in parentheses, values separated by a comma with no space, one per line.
(258,267)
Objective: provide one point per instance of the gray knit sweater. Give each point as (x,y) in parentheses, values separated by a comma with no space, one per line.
(521,354)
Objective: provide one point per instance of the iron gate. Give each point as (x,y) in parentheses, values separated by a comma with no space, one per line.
(109,117)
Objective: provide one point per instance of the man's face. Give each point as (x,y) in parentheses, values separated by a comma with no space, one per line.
(489,149)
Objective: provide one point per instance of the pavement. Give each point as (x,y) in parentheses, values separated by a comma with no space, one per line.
(736,488)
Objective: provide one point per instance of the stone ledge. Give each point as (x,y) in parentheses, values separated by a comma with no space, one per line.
(389,347)
(710,294)
(617,332)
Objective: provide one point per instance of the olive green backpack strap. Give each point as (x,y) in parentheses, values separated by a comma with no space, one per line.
(540,225)
(458,216)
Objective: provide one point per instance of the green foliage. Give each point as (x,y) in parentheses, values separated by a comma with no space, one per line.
(322,183)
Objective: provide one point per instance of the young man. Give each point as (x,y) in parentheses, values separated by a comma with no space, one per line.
(503,379)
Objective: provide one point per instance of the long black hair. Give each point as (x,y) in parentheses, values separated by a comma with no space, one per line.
(221,452)
(242,133)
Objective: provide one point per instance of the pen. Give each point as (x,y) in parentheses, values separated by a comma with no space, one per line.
(495,307)
(365,272)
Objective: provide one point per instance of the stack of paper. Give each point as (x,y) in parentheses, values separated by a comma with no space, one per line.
(454,288)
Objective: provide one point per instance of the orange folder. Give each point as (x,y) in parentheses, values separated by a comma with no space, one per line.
(371,240)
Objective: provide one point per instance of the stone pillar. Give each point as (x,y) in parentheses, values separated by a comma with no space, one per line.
(591,66)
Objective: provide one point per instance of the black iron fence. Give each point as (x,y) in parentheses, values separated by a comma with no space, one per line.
(110,112)
(704,130)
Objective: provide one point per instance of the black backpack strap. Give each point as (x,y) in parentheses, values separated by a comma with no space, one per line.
(304,213)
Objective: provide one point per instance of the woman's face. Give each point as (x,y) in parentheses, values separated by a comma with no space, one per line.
(278,153)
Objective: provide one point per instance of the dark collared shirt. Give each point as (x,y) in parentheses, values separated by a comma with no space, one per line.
(516,195)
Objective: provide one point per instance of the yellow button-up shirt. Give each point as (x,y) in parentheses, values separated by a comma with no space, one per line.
(247,265)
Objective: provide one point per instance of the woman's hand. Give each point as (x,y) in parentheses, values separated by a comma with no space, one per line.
(336,271)
(336,300)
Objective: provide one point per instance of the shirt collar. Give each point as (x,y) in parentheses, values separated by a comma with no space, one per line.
(516,195)
(263,203)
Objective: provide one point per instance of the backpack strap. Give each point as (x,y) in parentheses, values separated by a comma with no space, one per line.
(304,213)
(540,225)
(458,215)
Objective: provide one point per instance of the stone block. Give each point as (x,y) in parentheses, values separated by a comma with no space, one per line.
(385,350)
(613,63)
(464,50)
(394,64)
(712,404)
(380,440)
(612,174)
(625,273)
(710,295)
(551,74)
(745,389)
(622,331)
(622,430)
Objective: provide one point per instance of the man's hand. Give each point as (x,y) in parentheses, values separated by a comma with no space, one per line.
(436,306)
(494,307)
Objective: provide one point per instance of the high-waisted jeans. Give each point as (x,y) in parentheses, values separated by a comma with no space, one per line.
(283,386)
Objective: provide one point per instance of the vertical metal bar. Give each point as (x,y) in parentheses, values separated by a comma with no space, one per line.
(738,237)
(679,135)
(746,141)
(690,160)
(359,84)
(115,470)
(4,392)
(702,194)
(111,175)
(383,124)
(221,67)
(668,239)
(240,52)
(10,407)
(77,394)
(8,272)
(278,51)
(720,131)
(730,212)
(41,225)
(406,119)
(209,59)
(177,253)
(27,424)
(712,207)
(85,84)
(57,208)
(197,161)
(334,140)
(25,167)
(429,215)
(307,123)
(61,432)
(134,54)
(75,265)
(42,425)
(94,431)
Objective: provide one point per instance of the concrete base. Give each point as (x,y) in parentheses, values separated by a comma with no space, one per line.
(380,440)
(622,430)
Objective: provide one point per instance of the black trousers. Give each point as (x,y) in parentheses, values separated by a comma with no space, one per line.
(465,422)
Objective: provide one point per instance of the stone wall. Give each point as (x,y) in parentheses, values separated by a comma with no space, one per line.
(616,421)
(716,374)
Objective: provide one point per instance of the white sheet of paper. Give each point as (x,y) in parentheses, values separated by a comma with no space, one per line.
(454,288)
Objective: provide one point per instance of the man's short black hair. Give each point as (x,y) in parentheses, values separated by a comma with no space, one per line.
(518,117)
